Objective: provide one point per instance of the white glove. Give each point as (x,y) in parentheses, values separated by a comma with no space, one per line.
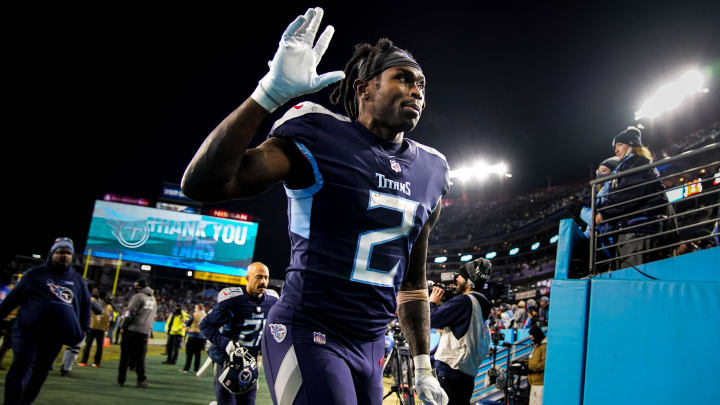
(293,68)
(231,347)
(427,386)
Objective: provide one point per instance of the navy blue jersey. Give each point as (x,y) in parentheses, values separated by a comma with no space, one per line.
(352,231)
(236,316)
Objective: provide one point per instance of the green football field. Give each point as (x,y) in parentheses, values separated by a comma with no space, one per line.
(96,386)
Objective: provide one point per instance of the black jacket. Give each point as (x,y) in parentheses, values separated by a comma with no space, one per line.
(644,205)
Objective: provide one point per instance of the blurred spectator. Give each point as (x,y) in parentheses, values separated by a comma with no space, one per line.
(6,325)
(520,316)
(536,365)
(175,328)
(543,312)
(99,325)
(136,331)
(623,208)
(196,340)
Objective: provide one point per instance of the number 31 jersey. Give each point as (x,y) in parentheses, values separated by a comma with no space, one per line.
(352,231)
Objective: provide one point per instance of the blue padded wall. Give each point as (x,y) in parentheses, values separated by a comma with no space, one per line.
(564,364)
(650,342)
(703,265)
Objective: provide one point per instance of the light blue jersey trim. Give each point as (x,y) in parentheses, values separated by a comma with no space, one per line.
(310,191)
(301,200)
(300,209)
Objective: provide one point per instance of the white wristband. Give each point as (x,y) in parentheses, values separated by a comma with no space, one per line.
(422,361)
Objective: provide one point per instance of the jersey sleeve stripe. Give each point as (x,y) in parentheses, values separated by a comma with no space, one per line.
(309,191)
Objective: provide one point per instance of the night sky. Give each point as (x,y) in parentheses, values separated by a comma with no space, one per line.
(117,100)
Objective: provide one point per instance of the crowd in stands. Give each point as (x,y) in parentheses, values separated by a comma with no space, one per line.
(470,220)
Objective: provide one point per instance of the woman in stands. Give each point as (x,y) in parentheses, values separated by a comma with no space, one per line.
(623,208)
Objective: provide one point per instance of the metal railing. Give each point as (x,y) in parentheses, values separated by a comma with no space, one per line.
(709,157)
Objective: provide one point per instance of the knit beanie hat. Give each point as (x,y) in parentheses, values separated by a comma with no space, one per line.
(62,243)
(611,163)
(631,136)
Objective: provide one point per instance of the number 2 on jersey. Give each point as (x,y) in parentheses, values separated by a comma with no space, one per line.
(361,269)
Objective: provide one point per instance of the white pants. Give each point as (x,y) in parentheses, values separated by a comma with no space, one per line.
(536,394)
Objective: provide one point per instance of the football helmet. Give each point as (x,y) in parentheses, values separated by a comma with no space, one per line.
(240,371)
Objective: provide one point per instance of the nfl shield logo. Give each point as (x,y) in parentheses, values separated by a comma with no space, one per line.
(319,338)
(395,166)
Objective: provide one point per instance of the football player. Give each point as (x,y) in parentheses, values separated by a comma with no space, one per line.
(234,327)
(362,200)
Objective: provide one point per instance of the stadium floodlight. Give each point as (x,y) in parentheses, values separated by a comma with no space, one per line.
(480,170)
(535,246)
(36,256)
(491,255)
(146,267)
(514,251)
(189,273)
(554,239)
(441,259)
(466,258)
(671,95)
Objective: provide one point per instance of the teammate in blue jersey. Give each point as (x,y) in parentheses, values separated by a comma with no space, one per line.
(236,320)
(362,200)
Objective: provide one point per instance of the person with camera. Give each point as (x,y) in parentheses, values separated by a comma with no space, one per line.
(465,340)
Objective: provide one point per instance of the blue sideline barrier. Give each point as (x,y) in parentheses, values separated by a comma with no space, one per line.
(621,337)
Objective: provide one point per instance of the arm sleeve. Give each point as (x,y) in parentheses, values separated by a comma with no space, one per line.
(15,297)
(211,324)
(190,320)
(450,314)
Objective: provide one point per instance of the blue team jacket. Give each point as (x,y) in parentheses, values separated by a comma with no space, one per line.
(53,305)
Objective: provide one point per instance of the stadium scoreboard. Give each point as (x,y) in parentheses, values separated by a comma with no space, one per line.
(172,239)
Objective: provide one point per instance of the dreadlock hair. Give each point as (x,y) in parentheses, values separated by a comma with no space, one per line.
(364,54)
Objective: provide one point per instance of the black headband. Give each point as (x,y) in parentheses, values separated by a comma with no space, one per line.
(393,57)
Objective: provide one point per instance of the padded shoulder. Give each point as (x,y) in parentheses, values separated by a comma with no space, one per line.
(229,292)
(430,150)
(303,108)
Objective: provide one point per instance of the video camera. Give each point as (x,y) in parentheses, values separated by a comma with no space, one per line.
(448,290)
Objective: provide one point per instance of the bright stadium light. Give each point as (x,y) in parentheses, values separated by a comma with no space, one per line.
(491,255)
(671,95)
(514,251)
(36,256)
(554,239)
(466,258)
(480,170)
(535,246)
(189,273)
(441,259)
(146,267)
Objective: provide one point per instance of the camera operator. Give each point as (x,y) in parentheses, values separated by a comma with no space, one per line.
(465,340)
(536,365)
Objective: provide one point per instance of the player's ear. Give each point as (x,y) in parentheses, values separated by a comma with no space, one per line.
(362,89)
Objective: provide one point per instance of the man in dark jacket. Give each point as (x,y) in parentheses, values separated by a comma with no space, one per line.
(136,332)
(54,311)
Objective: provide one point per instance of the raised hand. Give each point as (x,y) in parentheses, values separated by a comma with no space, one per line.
(293,68)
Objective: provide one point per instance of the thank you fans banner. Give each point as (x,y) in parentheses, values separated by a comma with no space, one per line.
(172,239)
